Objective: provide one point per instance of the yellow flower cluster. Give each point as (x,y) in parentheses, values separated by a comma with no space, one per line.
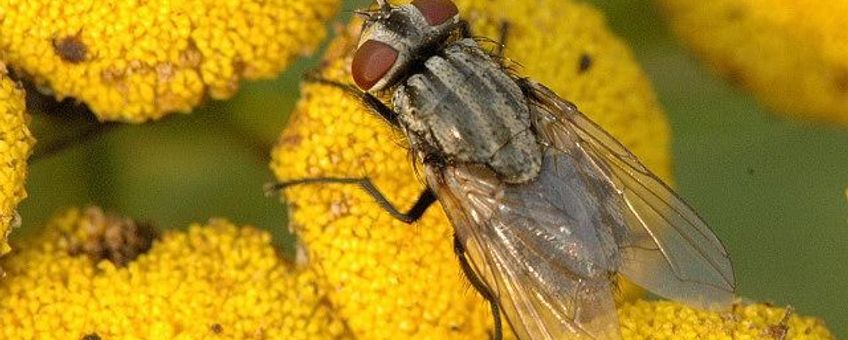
(211,281)
(668,320)
(140,60)
(388,279)
(222,281)
(15,146)
(792,54)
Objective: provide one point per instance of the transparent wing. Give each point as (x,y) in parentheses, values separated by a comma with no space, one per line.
(665,247)
(538,246)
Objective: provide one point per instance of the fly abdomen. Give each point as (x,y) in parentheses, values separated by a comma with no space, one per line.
(465,107)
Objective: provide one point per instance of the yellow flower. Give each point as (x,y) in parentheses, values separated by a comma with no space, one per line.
(15,146)
(219,280)
(792,54)
(668,320)
(388,279)
(140,60)
(213,280)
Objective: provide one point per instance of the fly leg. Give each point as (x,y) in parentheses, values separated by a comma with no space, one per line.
(478,284)
(502,38)
(424,201)
(372,102)
(500,44)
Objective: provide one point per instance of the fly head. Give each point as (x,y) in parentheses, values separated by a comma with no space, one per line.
(396,38)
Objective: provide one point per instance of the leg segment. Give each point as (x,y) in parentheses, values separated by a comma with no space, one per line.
(425,200)
(464,29)
(368,99)
(502,38)
(500,44)
(478,284)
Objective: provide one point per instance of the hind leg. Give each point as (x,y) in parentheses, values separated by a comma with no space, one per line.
(481,287)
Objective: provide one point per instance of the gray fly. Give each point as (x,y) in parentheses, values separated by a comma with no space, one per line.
(546,206)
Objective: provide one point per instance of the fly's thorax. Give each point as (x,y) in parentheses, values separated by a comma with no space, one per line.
(395,39)
(463,107)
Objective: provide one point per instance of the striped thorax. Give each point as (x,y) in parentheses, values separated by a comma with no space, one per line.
(455,104)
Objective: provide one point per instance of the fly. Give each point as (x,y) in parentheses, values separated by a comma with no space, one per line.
(546,206)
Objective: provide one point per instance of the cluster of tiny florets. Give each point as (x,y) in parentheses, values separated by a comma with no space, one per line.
(793,55)
(669,320)
(15,146)
(139,60)
(212,280)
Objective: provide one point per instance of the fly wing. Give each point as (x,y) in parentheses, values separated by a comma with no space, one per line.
(537,245)
(665,246)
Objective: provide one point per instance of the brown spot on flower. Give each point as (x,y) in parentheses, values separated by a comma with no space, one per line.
(191,57)
(781,329)
(112,75)
(216,328)
(108,236)
(290,140)
(735,13)
(165,71)
(840,80)
(71,49)
(584,64)
(92,336)
(339,208)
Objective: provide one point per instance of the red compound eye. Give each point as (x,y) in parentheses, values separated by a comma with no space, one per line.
(436,11)
(371,62)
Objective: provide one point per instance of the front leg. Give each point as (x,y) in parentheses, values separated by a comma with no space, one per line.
(424,201)
(366,98)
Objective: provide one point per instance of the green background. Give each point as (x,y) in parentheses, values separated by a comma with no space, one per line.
(773,190)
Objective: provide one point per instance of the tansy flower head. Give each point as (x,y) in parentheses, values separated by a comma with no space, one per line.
(139,60)
(211,281)
(793,55)
(15,146)
(668,320)
(391,280)
(223,281)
